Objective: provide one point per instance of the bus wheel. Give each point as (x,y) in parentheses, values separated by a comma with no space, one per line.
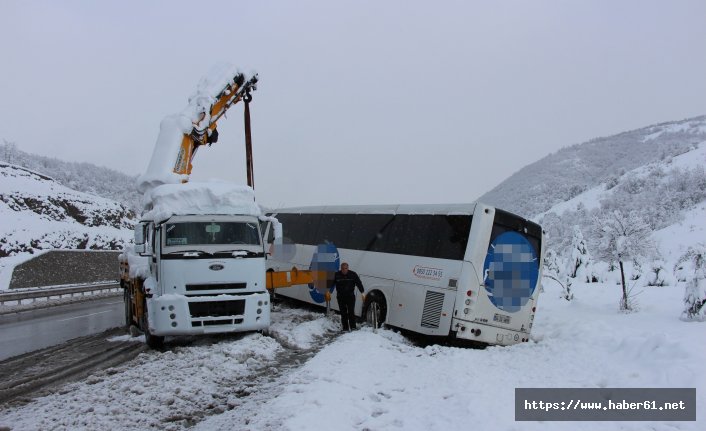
(375,310)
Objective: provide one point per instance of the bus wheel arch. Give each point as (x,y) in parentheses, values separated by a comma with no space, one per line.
(375,303)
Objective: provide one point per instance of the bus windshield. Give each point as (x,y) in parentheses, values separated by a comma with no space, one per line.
(211,233)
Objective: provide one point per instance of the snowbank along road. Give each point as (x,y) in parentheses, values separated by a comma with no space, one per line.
(111,381)
(305,376)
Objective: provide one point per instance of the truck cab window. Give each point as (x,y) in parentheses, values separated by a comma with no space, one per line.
(211,233)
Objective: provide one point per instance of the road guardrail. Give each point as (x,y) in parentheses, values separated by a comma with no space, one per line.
(58,292)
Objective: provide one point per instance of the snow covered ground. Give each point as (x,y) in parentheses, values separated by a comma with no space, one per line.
(382,381)
(363,380)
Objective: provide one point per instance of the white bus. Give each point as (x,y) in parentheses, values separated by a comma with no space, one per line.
(463,271)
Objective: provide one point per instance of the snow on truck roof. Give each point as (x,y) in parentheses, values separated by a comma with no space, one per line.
(206,198)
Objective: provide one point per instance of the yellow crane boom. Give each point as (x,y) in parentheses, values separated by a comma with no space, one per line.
(233,92)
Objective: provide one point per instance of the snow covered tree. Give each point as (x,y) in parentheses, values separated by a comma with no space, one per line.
(693,262)
(579,264)
(9,153)
(551,263)
(659,276)
(621,236)
(552,270)
(637,269)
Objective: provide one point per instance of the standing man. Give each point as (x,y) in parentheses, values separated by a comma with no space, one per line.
(346,281)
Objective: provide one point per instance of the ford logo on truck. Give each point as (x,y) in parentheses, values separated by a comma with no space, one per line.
(216,267)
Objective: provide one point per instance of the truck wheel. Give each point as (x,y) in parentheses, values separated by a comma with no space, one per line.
(375,310)
(128,307)
(153,341)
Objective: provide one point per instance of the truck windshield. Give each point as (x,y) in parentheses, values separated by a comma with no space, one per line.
(211,233)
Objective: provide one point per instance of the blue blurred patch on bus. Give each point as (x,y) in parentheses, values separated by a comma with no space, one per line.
(325,258)
(511,270)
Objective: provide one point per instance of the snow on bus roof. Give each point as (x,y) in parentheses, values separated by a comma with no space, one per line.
(446,209)
(206,198)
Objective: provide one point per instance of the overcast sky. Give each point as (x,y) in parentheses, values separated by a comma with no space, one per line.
(359,101)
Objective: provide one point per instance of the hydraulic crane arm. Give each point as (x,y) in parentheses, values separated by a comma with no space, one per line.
(181,134)
(204,131)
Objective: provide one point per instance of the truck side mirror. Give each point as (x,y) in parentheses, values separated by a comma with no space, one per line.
(141,246)
(140,234)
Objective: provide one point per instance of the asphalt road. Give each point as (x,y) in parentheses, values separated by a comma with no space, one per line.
(32,330)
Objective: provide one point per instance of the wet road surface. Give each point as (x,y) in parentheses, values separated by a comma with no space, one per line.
(32,330)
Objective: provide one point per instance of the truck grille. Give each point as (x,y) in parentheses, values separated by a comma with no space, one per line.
(221,286)
(217,308)
(218,322)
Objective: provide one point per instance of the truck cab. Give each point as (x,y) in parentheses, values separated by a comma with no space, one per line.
(206,275)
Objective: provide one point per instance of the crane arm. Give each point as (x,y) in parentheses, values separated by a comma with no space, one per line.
(181,134)
(204,131)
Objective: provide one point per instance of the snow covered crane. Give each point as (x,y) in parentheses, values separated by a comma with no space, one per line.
(182,134)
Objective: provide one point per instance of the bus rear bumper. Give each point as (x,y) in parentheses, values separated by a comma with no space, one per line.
(487,334)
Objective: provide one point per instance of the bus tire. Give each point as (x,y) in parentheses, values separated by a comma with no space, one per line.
(375,309)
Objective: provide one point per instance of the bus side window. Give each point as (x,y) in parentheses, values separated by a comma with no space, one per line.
(299,228)
(368,231)
(334,229)
(408,235)
(449,236)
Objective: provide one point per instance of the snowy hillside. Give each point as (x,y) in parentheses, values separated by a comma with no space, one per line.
(82,177)
(38,213)
(649,181)
(570,171)
(669,195)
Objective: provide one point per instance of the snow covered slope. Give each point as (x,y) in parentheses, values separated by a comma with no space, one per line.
(37,213)
(669,194)
(80,176)
(572,170)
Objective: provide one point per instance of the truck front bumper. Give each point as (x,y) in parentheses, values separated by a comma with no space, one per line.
(181,315)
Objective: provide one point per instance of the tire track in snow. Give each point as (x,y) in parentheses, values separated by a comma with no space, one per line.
(195,378)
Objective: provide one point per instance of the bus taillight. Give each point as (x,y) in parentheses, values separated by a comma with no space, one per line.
(469,293)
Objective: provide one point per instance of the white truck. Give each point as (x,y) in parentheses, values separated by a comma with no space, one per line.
(198,263)
(199,268)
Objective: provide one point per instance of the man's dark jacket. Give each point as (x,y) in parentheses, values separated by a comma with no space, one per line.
(346,283)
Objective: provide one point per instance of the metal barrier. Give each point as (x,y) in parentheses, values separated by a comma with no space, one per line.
(55,292)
